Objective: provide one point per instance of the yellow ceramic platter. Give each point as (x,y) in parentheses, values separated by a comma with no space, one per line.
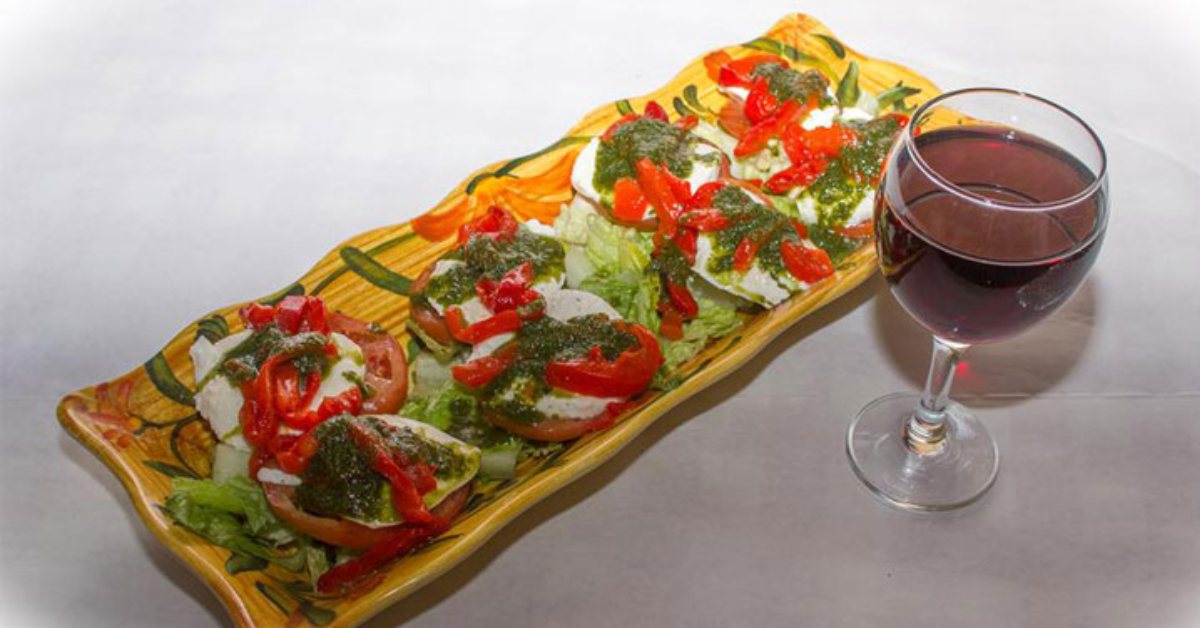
(144,427)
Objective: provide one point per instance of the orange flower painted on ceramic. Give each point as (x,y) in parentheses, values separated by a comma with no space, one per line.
(536,197)
(109,411)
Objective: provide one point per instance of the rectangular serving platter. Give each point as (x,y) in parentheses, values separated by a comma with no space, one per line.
(143,425)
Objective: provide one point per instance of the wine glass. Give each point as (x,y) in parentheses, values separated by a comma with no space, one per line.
(991,210)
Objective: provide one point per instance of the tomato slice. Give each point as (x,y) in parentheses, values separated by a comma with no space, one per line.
(806,264)
(387,368)
(629,204)
(628,375)
(343,532)
(554,430)
(433,325)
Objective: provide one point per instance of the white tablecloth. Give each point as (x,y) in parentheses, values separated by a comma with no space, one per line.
(159,159)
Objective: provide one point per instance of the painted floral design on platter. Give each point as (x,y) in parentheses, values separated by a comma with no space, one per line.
(144,426)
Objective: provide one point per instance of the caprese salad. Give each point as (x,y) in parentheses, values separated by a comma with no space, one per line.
(339,452)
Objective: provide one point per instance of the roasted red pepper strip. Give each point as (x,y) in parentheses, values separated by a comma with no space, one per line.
(655,111)
(756,138)
(510,292)
(626,119)
(628,375)
(706,220)
(760,103)
(295,459)
(496,224)
(703,197)
(405,494)
(481,371)
(740,72)
(500,323)
(743,255)
(343,576)
(682,299)
(797,175)
(629,204)
(806,264)
(685,241)
(687,123)
(671,325)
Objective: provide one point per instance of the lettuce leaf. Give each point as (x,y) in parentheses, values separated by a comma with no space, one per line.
(235,515)
(713,321)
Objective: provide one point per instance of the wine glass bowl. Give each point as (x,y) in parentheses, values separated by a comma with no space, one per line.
(991,210)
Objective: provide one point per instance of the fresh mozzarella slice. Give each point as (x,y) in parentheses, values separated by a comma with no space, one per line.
(206,355)
(275,476)
(566,304)
(560,404)
(820,117)
(539,228)
(473,309)
(583,173)
(468,453)
(864,211)
(489,346)
(757,284)
(705,168)
(220,402)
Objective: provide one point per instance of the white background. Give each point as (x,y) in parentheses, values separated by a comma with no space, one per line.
(160,159)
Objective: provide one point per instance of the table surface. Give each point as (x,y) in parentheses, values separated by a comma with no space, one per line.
(161,159)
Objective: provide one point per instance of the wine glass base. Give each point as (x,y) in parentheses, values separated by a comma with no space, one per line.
(960,472)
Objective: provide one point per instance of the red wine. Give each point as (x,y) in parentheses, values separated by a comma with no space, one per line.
(971,272)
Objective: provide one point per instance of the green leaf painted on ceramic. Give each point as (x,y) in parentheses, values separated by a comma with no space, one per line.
(894,96)
(506,169)
(681,108)
(316,615)
(766,44)
(169,470)
(165,381)
(368,268)
(692,96)
(373,251)
(624,107)
(276,597)
(847,89)
(834,45)
(290,291)
(212,328)
(238,563)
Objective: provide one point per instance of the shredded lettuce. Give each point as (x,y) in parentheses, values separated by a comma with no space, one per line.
(441,407)
(235,515)
(452,409)
(613,262)
(713,321)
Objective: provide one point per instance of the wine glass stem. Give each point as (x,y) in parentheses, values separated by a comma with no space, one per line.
(925,430)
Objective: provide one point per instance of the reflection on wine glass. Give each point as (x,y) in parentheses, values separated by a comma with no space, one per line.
(991,210)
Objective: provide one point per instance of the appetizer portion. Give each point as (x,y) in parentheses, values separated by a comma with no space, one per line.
(294,366)
(745,246)
(815,150)
(487,285)
(610,171)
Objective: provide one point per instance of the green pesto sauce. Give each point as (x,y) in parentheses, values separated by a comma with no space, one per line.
(785,83)
(515,392)
(752,219)
(340,481)
(306,351)
(662,142)
(848,177)
(670,261)
(485,258)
